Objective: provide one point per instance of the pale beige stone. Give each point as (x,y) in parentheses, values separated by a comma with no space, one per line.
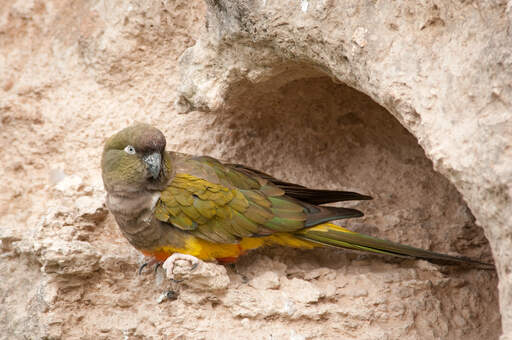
(196,274)
(267,280)
(366,96)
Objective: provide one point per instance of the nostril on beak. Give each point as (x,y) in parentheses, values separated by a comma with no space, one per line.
(153,162)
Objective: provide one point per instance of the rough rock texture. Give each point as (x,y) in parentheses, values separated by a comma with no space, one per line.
(265,84)
(195,274)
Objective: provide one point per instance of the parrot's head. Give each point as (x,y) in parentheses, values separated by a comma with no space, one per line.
(134,160)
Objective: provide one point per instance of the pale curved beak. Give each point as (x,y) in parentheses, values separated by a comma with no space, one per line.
(153,163)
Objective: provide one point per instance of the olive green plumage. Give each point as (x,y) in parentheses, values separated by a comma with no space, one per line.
(237,205)
(163,198)
(220,214)
(124,171)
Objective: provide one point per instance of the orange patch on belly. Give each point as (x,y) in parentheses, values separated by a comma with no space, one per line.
(159,255)
(227,260)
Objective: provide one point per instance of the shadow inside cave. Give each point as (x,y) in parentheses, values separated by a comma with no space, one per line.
(301,126)
(305,128)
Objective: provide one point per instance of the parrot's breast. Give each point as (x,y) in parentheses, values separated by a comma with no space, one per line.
(134,215)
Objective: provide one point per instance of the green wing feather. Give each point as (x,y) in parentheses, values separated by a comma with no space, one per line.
(242,206)
(234,203)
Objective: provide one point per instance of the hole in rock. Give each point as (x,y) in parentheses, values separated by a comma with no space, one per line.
(317,133)
(302,127)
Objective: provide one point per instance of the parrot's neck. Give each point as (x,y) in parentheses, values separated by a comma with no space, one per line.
(134,215)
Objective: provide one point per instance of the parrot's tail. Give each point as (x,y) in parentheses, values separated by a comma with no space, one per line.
(333,235)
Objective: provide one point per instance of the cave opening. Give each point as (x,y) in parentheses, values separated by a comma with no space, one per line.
(301,126)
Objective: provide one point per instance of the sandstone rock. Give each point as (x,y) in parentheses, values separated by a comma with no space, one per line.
(301,291)
(257,304)
(365,96)
(70,258)
(69,184)
(200,276)
(267,280)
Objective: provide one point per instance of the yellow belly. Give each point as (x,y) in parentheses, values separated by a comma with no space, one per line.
(209,251)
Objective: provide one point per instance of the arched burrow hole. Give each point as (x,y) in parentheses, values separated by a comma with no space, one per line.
(300,126)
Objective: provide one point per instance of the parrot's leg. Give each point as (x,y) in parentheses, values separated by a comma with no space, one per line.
(157,266)
(150,263)
(171,262)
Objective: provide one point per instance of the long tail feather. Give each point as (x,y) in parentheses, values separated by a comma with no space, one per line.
(333,235)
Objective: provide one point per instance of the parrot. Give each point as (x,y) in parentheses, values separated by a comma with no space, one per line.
(169,203)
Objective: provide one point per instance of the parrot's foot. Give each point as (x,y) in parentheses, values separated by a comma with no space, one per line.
(175,261)
(150,263)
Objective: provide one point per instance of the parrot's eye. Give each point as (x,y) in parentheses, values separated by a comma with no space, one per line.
(129,150)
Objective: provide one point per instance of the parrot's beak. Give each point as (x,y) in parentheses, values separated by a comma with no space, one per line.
(153,163)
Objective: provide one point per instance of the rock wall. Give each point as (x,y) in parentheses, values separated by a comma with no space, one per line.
(361,96)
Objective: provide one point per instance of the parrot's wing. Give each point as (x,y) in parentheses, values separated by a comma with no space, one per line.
(233,204)
(302,193)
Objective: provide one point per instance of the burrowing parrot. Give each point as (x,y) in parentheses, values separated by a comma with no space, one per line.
(167,202)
